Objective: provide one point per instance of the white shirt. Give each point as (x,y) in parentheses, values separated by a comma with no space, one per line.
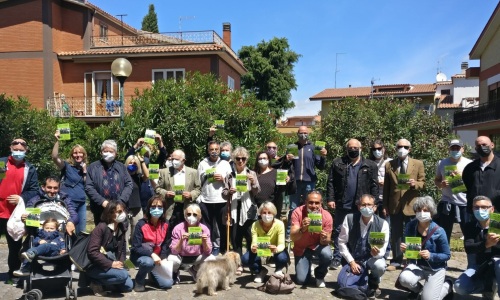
(180,176)
(344,238)
(212,192)
(459,199)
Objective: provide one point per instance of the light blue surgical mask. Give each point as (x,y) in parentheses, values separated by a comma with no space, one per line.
(18,155)
(455,154)
(366,211)
(377,153)
(225,155)
(156,212)
(482,214)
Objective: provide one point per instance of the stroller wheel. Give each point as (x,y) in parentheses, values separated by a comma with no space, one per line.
(38,292)
(71,294)
(33,295)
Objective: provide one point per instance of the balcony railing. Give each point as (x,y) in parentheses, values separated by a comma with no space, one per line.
(81,107)
(489,111)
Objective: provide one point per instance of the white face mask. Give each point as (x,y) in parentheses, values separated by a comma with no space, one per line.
(168,163)
(108,156)
(192,220)
(402,152)
(121,217)
(377,153)
(423,216)
(267,218)
(176,163)
(263,162)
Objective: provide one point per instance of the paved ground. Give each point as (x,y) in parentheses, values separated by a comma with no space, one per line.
(244,288)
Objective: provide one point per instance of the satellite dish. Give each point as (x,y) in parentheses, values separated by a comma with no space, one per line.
(284,119)
(440,77)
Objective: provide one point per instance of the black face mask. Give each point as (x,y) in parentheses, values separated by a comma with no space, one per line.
(352,153)
(483,151)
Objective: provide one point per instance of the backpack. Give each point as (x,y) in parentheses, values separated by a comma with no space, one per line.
(352,286)
(78,252)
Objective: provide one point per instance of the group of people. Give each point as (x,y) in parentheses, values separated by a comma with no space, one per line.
(227,202)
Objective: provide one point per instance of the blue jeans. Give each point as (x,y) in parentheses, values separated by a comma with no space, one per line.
(146,264)
(254,262)
(303,189)
(81,210)
(46,250)
(303,263)
(118,277)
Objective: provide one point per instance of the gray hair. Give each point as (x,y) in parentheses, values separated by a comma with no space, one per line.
(347,143)
(226,143)
(481,198)
(183,155)
(109,144)
(358,201)
(403,140)
(195,208)
(425,201)
(240,151)
(270,206)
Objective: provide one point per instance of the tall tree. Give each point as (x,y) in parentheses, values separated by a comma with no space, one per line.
(150,21)
(270,73)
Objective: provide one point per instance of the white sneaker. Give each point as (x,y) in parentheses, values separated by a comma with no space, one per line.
(259,277)
(320,283)
(279,273)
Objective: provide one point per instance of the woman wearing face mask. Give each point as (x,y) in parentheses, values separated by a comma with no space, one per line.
(266,176)
(434,254)
(107,179)
(149,245)
(74,171)
(139,173)
(273,228)
(184,251)
(107,249)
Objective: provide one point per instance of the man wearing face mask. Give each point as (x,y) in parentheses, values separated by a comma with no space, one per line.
(354,242)
(283,163)
(482,176)
(452,207)
(18,181)
(398,203)
(107,179)
(177,175)
(213,171)
(350,177)
(483,246)
(304,169)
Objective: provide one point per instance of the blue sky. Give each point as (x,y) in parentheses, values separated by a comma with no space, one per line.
(392,41)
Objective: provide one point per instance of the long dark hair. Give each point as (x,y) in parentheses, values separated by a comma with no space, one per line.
(372,145)
(108,214)
(163,202)
(256,167)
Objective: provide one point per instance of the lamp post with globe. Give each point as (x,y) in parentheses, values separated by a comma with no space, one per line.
(121,69)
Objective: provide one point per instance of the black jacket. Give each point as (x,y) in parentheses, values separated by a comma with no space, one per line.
(337,180)
(475,241)
(482,183)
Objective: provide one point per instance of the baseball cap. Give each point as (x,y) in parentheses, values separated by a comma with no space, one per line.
(456,143)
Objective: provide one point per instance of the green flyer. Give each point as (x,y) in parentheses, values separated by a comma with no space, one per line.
(33,218)
(494,223)
(194,235)
(64,132)
(219,124)
(450,172)
(318,145)
(178,189)
(377,239)
(457,185)
(241,183)
(149,136)
(3,170)
(209,173)
(316,222)
(293,149)
(413,247)
(402,181)
(154,169)
(263,244)
(281,177)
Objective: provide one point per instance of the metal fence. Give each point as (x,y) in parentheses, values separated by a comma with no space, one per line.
(489,111)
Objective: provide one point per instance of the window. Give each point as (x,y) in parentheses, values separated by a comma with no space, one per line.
(103,32)
(445,92)
(230,82)
(165,74)
(494,92)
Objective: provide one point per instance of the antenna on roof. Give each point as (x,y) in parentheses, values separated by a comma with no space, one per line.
(372,83)
(184,18)
(336,70)
(121,20)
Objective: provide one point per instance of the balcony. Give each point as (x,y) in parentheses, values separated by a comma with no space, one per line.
(94,108)
(486,112)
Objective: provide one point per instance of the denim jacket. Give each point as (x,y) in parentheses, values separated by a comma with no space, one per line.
(437,245)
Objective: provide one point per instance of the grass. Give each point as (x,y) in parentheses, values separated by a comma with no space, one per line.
(457,245)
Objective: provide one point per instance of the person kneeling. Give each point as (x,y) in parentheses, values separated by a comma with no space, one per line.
(357,246)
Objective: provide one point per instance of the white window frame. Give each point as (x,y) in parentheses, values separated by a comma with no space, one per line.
(230,83)
(153,71)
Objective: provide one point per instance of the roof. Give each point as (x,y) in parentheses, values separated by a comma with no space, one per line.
(379,91)
(487,34)
(144,49)
(446,101)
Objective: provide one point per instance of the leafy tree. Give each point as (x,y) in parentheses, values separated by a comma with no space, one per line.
(388,120)
(270,73)
(150,21)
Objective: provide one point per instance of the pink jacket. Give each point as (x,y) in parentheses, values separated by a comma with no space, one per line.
(189,250)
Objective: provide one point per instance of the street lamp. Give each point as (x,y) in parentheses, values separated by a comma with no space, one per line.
(121,69)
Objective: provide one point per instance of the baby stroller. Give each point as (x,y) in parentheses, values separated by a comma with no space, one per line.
(50,273)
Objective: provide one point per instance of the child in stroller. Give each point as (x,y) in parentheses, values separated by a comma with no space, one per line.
(49,242)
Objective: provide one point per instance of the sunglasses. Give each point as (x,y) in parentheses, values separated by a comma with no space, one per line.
(269,147)
(240,158)
(18,143)
(406,147)
(379,148)
(192,214)
(156,206)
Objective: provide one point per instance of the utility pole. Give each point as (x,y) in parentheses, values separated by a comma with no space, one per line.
(121,20)
(372,83)
(336,70)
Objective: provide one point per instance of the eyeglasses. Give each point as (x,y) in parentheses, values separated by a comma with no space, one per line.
(213,149)
(240,158)
(156,206)
(406,147)
(192,214)
(18,143)
(377,148)
(481,207)
(366,205)
(269,147)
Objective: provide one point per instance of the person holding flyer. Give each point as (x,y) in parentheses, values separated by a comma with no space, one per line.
(271,182)
(430,263)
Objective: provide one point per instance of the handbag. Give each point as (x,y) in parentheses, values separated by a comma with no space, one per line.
(278,284)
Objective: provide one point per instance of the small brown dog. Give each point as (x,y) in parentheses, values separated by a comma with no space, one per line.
(217,273)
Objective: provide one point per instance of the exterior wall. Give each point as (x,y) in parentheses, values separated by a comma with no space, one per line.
(21,25)
(68,28)
(465,88)
(14,80)
(225,70)
(490,57)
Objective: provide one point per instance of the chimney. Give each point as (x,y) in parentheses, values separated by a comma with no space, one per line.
(226,33)
(349,85)
(464,66)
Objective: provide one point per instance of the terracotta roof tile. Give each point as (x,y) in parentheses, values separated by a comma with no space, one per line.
(364,92)
(449,105)
(146,49)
